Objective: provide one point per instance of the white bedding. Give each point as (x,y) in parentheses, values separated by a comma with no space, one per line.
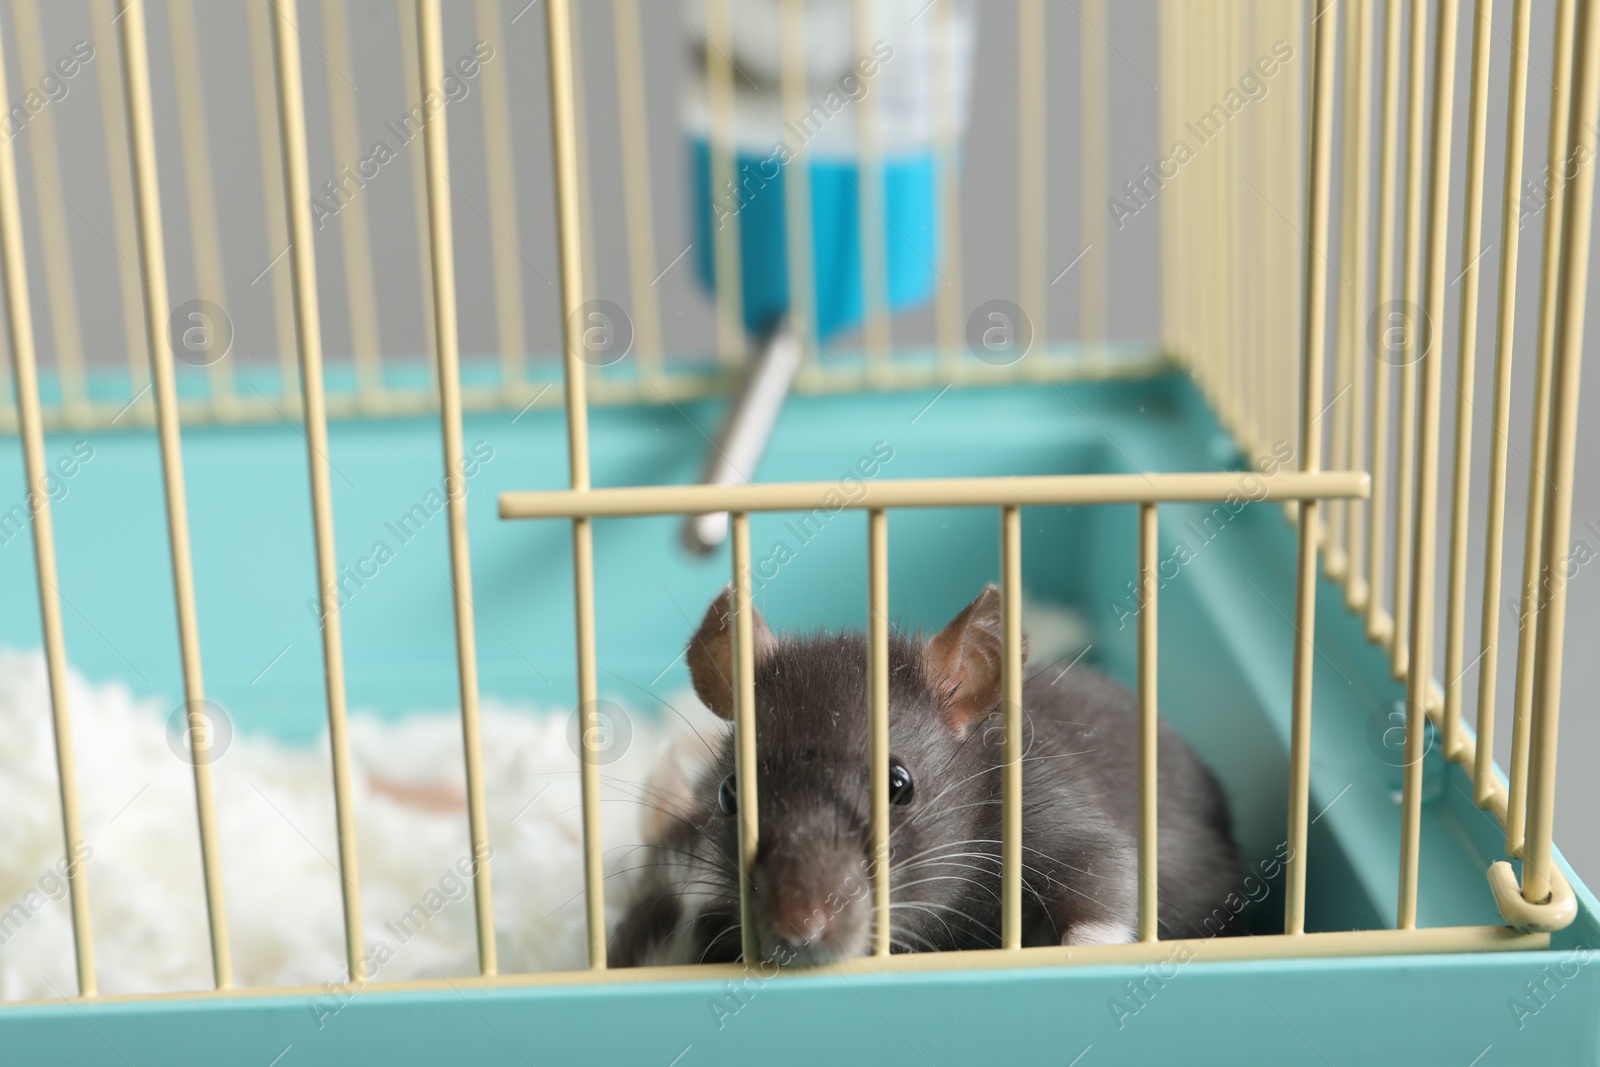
(279,850)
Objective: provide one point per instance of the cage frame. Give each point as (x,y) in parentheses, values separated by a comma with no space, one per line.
(1214,347)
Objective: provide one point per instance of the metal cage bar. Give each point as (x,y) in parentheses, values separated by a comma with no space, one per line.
(947,302)
(1359,204)
(500,181)
(113,128)
(1231,324)
(1251,268)
(1019,491)
(1533,561)
(1412,324)
(308,335)
(1032,207)
(66,339)
(1419,675)
(1295,187)
(1380,623)
(797,186)
(1467,343)
(19,320)
(419,182)
(1169,58)
(258,16)
(1205,241)
(1227,219)
(1215,241)
(1313,339)
(563,127)
(878,715)
(430,61)
(1208,31)
(635,188)
(1181,218)
(1149,588)
(1011,714)
(744,731)
(199,186)
(723,149)
(1346,344)
(1342,944)
(1228,375)
(1539,875)
(1485,784)
(152,253)
(354,233)
(1091,174)
(871,222)
(580,143)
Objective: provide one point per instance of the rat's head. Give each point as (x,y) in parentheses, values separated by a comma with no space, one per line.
(812,878)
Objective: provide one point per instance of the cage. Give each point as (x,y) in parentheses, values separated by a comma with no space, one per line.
(1412,905)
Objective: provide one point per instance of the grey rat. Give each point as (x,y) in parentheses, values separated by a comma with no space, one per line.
(811,878)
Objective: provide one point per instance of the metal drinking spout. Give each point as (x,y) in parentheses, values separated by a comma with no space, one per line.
(746,426)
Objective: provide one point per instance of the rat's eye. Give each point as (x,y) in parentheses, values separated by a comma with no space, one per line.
(728,795)
(901,787)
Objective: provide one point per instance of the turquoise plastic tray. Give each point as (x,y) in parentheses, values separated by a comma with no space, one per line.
(1224,678)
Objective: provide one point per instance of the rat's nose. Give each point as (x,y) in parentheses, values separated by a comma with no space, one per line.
(809,906)
(802,920)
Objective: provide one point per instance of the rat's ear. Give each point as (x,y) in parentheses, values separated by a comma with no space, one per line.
(963,662)
(710,654)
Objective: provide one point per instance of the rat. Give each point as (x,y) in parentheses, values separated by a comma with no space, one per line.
(811,879)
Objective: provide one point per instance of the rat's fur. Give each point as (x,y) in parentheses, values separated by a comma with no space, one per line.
(811,887)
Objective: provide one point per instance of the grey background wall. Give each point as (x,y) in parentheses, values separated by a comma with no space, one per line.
(988,207)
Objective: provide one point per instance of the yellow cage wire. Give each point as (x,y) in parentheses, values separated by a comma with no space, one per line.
(1230,309)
